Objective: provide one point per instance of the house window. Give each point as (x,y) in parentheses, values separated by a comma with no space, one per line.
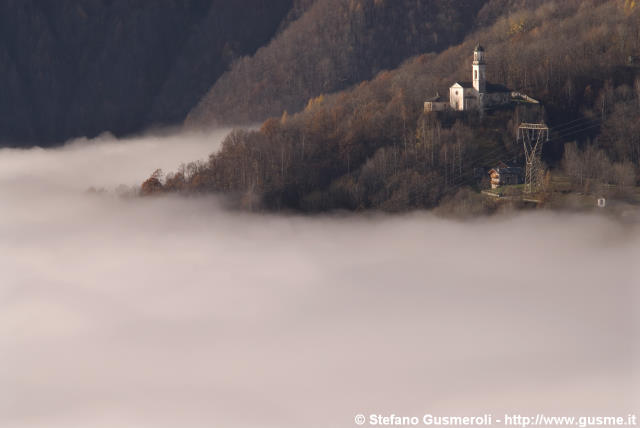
(456,92)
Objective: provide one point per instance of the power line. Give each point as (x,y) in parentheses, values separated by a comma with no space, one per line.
(562,131)
(495,154)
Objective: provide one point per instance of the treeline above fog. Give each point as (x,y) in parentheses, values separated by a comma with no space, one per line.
(372,147)
(81,67)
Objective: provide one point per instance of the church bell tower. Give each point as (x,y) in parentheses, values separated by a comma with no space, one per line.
(479,67)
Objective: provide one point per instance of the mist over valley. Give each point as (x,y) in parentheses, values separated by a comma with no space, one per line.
(173,311)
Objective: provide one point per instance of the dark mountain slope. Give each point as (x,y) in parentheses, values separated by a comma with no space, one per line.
(81,67)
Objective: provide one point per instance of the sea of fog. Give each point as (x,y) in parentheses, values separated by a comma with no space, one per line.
(175,313)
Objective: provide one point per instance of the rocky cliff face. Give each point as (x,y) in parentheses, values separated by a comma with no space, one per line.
(81,67)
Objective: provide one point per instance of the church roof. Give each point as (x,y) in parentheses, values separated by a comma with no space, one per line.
(479,48)
(496,87)
(466,85)
(490,87)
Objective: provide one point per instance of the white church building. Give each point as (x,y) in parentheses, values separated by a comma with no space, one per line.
(474,95)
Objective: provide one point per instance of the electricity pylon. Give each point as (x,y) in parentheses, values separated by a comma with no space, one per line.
(533,136)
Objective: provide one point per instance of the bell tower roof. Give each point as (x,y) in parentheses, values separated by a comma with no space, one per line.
(479,69)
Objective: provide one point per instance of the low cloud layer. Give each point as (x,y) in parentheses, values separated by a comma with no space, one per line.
(170,312)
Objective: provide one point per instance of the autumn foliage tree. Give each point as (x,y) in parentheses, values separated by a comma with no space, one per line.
(153,184)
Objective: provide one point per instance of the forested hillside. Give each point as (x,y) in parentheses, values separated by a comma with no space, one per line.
(372,147)
(81,67)
(335,44)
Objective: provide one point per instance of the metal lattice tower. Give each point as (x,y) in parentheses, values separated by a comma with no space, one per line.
(533,136)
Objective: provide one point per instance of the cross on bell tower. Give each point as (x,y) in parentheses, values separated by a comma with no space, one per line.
(479,67)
